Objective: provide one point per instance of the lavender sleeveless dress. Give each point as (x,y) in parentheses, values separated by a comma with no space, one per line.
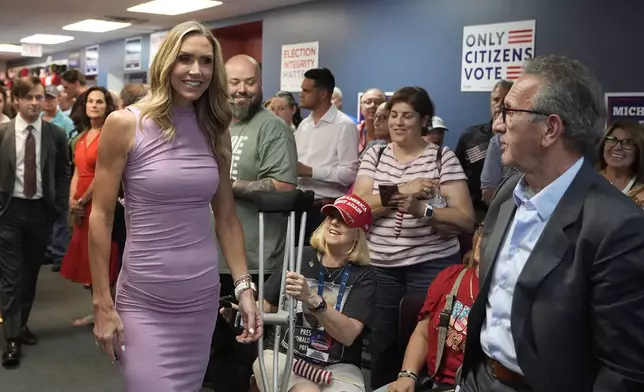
(168,289)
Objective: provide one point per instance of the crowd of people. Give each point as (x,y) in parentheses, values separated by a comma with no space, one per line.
(521,251)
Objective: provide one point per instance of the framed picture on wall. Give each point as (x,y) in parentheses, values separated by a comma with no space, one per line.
(73,60)
(91,60)
(133,51)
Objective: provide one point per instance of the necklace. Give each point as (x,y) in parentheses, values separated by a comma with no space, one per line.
(334,275)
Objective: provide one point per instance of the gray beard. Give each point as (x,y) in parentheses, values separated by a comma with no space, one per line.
(243,113)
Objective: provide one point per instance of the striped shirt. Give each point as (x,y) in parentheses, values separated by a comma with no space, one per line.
(418,242)
(493,170)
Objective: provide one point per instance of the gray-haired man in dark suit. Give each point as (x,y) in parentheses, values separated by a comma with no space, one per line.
(561,305)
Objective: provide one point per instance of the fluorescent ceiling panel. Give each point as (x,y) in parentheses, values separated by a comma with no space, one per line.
(7,48)
(96,26)
(46,39)
(173,7)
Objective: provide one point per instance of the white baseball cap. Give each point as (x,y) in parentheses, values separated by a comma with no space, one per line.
(438,123)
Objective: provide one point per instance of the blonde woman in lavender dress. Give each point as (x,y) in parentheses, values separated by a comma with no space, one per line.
(172,152)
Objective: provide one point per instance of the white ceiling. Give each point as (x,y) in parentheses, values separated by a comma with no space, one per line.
(26,17)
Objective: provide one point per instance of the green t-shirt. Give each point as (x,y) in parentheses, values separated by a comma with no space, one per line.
(263,147)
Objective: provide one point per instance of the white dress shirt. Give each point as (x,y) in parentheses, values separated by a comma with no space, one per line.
(21,137)
(330,148)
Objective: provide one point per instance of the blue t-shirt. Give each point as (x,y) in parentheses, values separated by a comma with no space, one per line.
(63,121)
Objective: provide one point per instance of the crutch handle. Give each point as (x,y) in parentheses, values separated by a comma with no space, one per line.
(282,202)
(279,318)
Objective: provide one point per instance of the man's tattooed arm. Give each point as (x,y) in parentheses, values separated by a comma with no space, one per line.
(242,189)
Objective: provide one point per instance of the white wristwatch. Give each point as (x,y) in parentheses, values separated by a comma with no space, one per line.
(428,214)
(243,286)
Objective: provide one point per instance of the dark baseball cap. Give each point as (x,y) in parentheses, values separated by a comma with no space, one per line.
(51,91)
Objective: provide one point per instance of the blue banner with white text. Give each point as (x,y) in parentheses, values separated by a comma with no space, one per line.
(622,106)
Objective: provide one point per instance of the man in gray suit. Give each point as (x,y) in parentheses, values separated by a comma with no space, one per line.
(561,305)
(33,192)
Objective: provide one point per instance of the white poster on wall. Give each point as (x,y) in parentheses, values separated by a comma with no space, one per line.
(495,51)
(296,60)
(133,54)
(91,60)
(30,50)
(155,42)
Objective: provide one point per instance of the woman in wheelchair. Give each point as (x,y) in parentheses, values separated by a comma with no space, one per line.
(335,300)
(452,294)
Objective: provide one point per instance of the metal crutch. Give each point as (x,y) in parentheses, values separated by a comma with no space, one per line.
(286,203)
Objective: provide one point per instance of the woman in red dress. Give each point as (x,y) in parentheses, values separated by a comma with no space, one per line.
(98,104)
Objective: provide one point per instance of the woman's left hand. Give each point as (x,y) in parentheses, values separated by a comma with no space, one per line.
(297,287)
(251,318)
(411,204)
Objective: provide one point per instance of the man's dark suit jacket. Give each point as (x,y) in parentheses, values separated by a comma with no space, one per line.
(54,163)
(578,306)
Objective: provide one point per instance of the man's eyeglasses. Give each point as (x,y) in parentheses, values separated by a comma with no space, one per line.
(612,141)
(374,102)
(506,110)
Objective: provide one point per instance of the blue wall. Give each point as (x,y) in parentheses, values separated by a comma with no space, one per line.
(389,44)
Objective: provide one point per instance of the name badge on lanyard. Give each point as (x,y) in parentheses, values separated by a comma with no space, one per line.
(319,341)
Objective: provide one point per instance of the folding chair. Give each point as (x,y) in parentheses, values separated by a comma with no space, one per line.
(289,203)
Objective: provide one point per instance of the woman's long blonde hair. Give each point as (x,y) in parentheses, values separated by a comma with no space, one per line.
(213,111)
(359,252)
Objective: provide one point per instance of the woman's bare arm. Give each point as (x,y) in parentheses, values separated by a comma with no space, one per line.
(228,229)
(116,141)
(363,187)
(416,352)
(73,185)
(341,327)
(459,216)
(268,307)
(88,196)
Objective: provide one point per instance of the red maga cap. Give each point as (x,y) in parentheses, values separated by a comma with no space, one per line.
(354,211)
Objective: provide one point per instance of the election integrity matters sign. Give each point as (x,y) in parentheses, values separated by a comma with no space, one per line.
(495,51)
(296,60)
(625,106)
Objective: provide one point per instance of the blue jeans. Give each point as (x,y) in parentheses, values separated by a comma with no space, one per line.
(392,285)
(59,238)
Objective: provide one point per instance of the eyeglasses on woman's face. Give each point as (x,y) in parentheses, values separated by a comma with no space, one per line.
(626,144)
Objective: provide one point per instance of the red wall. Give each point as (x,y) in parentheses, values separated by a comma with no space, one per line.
(241,39)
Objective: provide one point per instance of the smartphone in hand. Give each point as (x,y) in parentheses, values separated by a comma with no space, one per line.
(387,191)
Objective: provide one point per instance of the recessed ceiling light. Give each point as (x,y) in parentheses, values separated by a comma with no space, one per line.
(46,39)
(96,26)
(173,7)
(8,48)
